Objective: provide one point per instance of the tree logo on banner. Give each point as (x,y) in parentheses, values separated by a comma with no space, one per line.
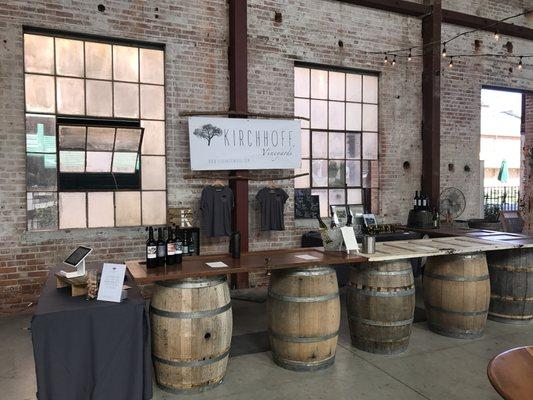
(208,132)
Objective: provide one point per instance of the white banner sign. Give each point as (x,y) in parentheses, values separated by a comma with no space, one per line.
(235,143)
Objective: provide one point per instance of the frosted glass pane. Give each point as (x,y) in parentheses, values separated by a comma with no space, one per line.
(97,60)
(40,133)
(355,196)
(128,208)
(336,115)
(101,209)
(153,141)
(353,87)
(69,57)
(72,137)
(41,171)
(41,212)
(152,102)
(127,139)
(323,201)
(337,197)
(370,117)
(353,173)
(370,146)
(125,63)
(126,100)
(336,145)
(301,82)
(100,138)
(72,161)
(336,173)
(336,85)
(353,116)
(320,173)
(98,161)
(301,109)
(153,173)
(370,89)
(154,208)
(40,93)
(353,145)
(305,144)
(303,181)
(319,84)
(72,210)
(124,162)
(320,144)
(38,54)
(319,114)
(152,66)
(70,96)
(99,98)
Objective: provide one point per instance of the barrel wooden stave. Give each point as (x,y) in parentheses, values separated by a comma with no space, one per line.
(457,294)
(304,318)
(380,305)
(191,333)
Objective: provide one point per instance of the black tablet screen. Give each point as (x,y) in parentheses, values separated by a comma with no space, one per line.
(77,255)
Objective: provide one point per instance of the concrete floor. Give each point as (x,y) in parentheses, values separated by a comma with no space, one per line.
(434,367)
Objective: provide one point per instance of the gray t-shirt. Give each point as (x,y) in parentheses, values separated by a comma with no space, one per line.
(272,201)
(216,205)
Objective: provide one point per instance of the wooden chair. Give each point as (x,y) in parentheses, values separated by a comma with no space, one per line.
(511,373)
(511,221)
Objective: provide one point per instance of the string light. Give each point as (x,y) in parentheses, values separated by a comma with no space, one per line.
(497,35)
(410,56)
(386,60)
(520,64)
(450,65)
(444,50)
(394,61)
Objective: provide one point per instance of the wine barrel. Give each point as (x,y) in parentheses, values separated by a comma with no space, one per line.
(303,317)
(511,285)
(457,294)
(191,333)
(381,306)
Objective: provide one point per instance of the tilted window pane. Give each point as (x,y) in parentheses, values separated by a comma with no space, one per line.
(353,87)
(336,145)
(154,208)
(336,174)
(38,54)
(370,174)
(98,161)
(70,96)
(302,181)
(370,145)
(353,116)
(40,93)
(319,84)
(100,138)
(153,141)
(41,171)
(128,208)
(101,209)
(320,144)
(320,173)
(127,139)
(126,100)
(153,173)
(152,102)
(69,57)
(337,197)
(72,161)
(301,82)
(353,145)
(305,143)
(72,210)
(323,201)
(336,115)
(41,210)
(370,89)
(353,173)
(97,60)
(336,86)
(152,66)
(125,63)
(370,117)
(99,98)
(124,162)
(355,196)
(72,137)
(40,133)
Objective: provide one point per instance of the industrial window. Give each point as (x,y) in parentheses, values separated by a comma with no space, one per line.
(95,132)
(340,141)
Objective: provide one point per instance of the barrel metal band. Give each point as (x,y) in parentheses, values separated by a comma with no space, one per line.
(510,269)
(198,389)
(464,313)
(510,298)
(456,278)
(296,299)
(380,323)
(192,363)
(193,283)
(190,314)
(389,273)
(310,272)
(313,339)
(402,339)
(370,292)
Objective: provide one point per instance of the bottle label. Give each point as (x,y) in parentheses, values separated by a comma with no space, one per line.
(171,249)
(179,248)
(161,251)
(151,251)
(185,249)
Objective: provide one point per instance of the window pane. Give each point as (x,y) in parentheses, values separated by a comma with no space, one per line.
(99,98)
(319,114)
(153,173)
(301,109)
(40,93)
(336,85)
(72,210)
(303,181)
(336,174)
(128,208)
(97,60)
(337,197)
(72,137)
(336,115)
(370,174)
(301,82)
(41,211)
(153,141)
(69,57)
(125,63)
(98,161)
(305,144)
(353,87)
(353,173)
(100,138)
(336,145)
(101,209)
(127,139)
(353,145)
(319,84)
(152,102)
(126,100)
(124,162)
(152,66)
(41,171)
(323,201)
(370,89)
(370,145)
(353,116)
(40,133)
(72,161)
(320,144)
(370,117)
(320,173)
(70,96)
(39,54)
(355,196)
(154,208)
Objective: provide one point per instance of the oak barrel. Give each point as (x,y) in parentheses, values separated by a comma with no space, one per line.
(381,306)
(303,317)
(457,294)
(191,333)
(511,285)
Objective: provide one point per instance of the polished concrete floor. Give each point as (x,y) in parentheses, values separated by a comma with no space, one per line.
(434,367)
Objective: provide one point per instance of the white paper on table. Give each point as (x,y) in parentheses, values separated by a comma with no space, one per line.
(350,241)
(306,257)
(111,282)
(216,264)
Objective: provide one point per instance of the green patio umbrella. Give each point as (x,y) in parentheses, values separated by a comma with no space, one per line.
(503,175)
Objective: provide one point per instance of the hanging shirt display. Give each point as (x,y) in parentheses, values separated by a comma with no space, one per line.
(216,206)
(272,201)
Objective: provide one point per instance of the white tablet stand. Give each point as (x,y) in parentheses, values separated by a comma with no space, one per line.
(80,266)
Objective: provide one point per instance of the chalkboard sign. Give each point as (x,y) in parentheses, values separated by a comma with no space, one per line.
(306,205)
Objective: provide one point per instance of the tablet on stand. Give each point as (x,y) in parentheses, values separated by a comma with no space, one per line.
(76,260)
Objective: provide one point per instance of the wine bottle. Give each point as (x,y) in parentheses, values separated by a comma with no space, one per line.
(161,247)
(416,201)
(424,201)
(185,244)
(321,223)
(178,245)
(333,223)
(192,244)
(151,249)
(171,247)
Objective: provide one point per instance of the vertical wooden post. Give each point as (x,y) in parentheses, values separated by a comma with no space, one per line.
(238,73)
(431,33)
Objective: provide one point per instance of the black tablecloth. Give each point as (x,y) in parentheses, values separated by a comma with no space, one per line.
(91,350)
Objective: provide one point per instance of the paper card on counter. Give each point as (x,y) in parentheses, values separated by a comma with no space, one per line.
(111,282)
(350,241)
(306,257)
(216,264)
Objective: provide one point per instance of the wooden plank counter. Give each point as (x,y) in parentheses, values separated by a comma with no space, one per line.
(449,230)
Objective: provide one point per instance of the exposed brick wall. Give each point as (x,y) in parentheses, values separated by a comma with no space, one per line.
(526,172)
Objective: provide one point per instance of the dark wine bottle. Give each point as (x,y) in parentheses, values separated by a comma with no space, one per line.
(161,247)
(332,223)
(321,223)
(171,247)
(179,245)
(416,202)
(349,219)
(185,244)
(151,249)
(192,244)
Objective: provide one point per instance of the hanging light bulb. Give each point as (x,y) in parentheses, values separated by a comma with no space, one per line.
(450,65)
(394,61)
(520,64)
(410,56)
(444,50)
(497,35)
(386,60)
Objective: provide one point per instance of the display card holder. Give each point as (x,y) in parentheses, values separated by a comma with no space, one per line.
(350,241)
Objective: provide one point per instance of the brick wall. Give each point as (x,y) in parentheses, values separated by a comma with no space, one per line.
(526,165)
